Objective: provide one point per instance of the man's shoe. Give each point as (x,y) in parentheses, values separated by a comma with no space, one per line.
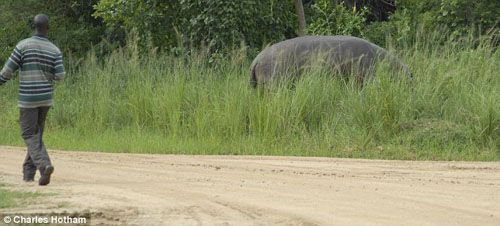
(45,178)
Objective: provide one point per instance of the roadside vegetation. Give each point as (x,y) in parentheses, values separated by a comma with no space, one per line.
(11,199)
(173,77)
(193,104)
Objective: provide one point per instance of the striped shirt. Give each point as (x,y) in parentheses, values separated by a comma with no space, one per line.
(40,64)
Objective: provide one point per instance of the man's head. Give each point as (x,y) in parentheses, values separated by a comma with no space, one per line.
(41,22)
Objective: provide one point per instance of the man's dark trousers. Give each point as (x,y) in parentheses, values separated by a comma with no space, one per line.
(32,121)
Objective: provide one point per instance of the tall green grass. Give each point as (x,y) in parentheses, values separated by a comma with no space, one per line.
(159,103)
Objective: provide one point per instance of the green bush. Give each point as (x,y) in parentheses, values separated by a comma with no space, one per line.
(72,27)
(455,17)
(219,25)
(178,25)
(156,21)
(331,19)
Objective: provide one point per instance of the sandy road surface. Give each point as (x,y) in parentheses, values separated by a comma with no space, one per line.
(242,190)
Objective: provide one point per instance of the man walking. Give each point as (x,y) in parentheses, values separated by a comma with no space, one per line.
(40,64)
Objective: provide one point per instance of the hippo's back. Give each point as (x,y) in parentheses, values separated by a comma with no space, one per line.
(343,52)
(345,47)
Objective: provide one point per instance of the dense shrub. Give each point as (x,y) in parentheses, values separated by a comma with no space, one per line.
(457,17)
(72,27)
(217,24)
(79,25)
(336,19)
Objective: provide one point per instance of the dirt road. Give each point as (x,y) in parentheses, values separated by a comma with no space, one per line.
(247,190)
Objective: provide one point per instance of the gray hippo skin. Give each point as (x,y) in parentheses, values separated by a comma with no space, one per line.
(342,54)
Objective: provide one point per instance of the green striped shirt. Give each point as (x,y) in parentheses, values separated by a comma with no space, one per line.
(40,63)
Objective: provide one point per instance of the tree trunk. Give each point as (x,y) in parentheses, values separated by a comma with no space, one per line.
(299,9)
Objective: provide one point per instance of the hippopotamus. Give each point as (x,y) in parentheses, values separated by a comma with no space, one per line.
(344,55)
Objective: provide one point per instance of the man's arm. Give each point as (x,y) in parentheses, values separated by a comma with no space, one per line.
(59,71)
(11,66)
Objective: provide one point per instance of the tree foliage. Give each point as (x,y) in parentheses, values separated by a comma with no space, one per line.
(457,17)
(336,19)
(455,14)
(377,10)
(154,20)
(72,26)
(77,25)
(214,23)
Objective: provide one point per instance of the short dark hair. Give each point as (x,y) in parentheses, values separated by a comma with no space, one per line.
(41,21)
